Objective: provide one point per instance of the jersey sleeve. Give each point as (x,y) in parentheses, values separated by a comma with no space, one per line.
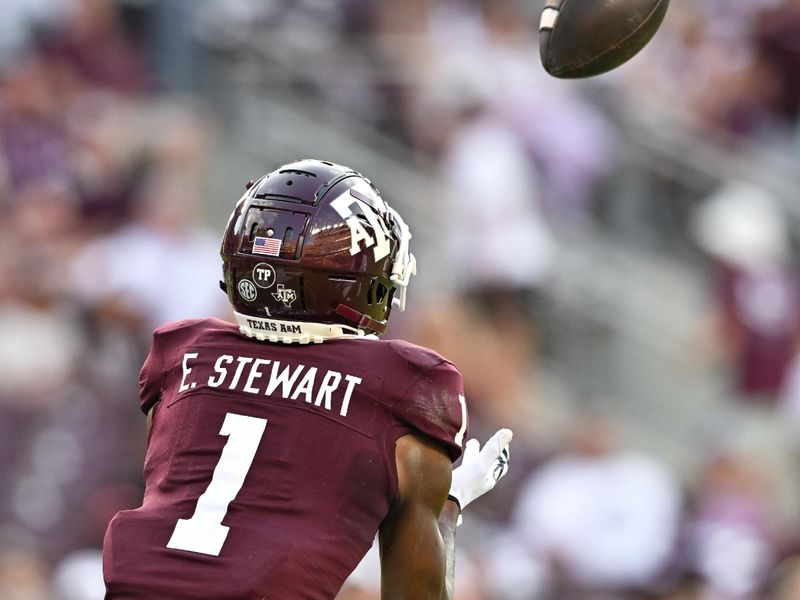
(434,405)
(151,377)
(159,366)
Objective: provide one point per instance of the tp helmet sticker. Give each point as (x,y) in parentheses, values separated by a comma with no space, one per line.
(264,275)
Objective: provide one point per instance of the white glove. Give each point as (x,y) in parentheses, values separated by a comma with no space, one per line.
(480,469)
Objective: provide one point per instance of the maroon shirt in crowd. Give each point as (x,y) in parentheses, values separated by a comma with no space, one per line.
(270,467)
(762,318)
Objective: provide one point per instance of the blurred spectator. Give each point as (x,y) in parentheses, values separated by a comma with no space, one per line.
(490,56)
(599,518)
(730,542)
(75,136)
(93,40)
(163,267)
(79,576)
(498,238)
(23,576)
(33,368)
(757,290)
(35,372)
(109,156)
(514,570)
(502,384)
(501,250)
(33,135)
(744,48)
(776,39)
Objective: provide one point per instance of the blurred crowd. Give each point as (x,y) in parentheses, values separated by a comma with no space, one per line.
(105,148)
(100,241)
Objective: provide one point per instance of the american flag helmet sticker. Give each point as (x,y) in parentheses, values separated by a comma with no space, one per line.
(267,246)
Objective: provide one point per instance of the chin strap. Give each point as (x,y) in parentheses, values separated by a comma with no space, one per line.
(363,321)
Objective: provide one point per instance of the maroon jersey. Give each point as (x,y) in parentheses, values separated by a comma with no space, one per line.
(270,467)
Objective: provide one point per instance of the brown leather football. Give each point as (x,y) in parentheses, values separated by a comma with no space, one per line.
(582,38)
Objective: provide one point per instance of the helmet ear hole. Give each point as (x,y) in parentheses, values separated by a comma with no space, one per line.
(371,292)
(377,292)
(380,293)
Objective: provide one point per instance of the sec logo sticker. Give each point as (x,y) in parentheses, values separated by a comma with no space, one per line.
(247,290)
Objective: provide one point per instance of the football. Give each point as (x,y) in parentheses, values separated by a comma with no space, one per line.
(582,38)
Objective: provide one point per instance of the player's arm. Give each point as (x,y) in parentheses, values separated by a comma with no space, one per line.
(418,538)
(413,553)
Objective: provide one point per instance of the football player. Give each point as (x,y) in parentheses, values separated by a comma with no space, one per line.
(279,446)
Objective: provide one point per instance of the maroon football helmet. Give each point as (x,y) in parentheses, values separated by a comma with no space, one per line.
(312,252)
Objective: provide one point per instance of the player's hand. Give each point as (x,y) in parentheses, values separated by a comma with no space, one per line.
(480,468)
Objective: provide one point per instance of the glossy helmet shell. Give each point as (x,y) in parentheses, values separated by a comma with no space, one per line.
(314,242)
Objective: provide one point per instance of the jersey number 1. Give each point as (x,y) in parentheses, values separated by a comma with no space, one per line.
(204,532)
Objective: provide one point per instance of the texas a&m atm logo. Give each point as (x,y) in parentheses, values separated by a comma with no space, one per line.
(376,236)
(285,295)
